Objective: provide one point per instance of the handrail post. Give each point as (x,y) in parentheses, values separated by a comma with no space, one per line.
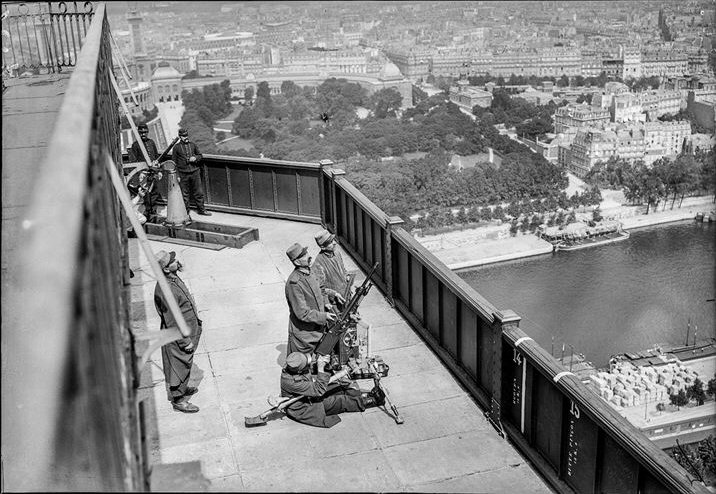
(505,319)
(335,172)
(392,223)
(323,200)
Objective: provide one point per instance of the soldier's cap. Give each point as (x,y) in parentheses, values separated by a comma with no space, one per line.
(324,237)
(296,362)
(165,258)
(296,251)
(183,132)
(142,127)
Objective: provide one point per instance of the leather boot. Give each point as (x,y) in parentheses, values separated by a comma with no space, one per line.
(374,398)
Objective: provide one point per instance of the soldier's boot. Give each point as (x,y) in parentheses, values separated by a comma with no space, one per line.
(374,398)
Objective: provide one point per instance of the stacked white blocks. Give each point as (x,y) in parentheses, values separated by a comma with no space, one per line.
(627,385)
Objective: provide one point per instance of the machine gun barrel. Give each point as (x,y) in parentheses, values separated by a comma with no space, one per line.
(166,152)
(331,337)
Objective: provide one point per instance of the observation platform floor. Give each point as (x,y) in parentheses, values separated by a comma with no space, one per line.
(445,445)
(30,106)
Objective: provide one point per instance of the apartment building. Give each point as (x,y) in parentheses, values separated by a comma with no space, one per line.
(348,62)
(647,141)
(666,138)
(664,63)
(413,64)
(658,102)
(579,115)
(626,107)
(230,65)
(451,62)
(468,97)
(553,62)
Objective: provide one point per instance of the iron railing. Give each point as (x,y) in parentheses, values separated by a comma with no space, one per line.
(43,37)
(80,426)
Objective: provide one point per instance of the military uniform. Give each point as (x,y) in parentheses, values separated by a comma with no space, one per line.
(152,198)
(307,316)
(331,270)
(323,401)
(176,360)
(189,173)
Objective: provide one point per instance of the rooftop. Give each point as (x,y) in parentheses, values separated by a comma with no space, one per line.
(446,443)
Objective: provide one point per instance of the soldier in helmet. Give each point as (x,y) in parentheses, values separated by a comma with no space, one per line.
(309,308)
(322,401)
(329,263)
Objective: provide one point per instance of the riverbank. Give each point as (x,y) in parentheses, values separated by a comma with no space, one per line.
(473,247)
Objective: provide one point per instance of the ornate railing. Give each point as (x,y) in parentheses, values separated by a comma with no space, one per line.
(80,426)
(43,36)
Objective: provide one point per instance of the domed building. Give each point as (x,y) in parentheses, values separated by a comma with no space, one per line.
(166,83)
(390,72)
(391,77)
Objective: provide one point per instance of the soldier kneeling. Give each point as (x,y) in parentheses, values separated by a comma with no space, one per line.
(322,401)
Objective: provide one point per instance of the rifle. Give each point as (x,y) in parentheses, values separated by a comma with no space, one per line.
(329,339)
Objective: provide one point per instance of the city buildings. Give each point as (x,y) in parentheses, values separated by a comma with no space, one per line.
(468,97)
(579,115)
(647,141)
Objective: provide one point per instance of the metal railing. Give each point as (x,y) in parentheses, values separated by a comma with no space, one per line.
(578,442)
(271,188)
(43,37)
(80,426)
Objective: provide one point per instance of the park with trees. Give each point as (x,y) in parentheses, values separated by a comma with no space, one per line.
(663,183)
(202,107)
(400,159)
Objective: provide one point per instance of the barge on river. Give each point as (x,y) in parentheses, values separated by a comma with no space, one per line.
(580,235)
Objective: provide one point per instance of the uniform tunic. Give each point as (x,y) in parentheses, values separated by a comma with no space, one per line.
(307,316)
(149,145)
(331,270)
(176,360)
(323,401)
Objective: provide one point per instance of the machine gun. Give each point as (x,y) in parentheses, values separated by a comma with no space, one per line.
(151,172)
(329,340)
(154,171)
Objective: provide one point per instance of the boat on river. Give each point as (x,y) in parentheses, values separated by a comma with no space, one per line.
(659,356)
(580,235)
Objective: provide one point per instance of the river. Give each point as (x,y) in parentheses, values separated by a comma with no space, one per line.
(622,297)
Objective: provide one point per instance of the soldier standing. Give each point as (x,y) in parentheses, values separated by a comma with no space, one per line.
(177,356)
(329,264)
(309,310)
